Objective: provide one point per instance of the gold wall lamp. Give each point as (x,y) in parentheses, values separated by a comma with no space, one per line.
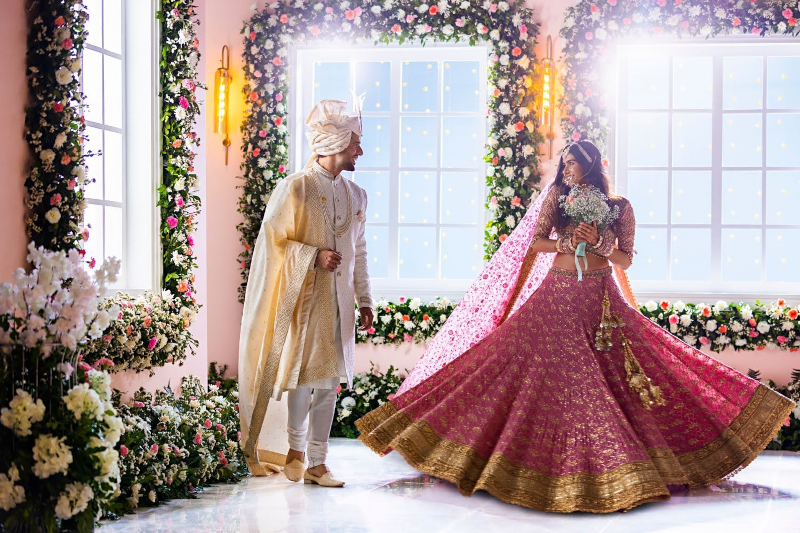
(548,94)
(222,93)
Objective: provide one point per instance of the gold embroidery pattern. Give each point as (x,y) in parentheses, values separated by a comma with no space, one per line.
(525,270)
(621,488)
(574,273)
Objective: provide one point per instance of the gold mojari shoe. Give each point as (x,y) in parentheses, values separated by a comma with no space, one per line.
(294,470)
(325,480)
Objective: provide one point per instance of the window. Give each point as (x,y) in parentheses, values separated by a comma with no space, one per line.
(423,170)
(120,203)
(707,150)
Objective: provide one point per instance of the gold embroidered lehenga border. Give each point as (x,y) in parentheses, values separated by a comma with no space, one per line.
(621,488)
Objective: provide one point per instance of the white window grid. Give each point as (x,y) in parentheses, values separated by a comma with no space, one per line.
(618,82)
(301,94)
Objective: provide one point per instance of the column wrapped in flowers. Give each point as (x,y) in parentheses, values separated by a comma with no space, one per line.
(58,427)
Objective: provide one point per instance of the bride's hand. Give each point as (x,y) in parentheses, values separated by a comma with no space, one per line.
(588,233)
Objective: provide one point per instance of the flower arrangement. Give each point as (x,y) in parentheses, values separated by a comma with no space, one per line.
(174,445)
(724,325)
(58,427)
(788,438)
(370,390)
(151,330)
(177,196)
(505,26)
(587,203)
(407,321)
(54,125)
(590,25)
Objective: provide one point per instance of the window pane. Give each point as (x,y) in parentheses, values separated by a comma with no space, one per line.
(419,142)
(647,190)
(93,219)
(741,254)
(691,197)
(783,197)
(462,252)
(376,184)
(650,263)
(373,78)
(113,96)
(783,82)
(112,25)
(783,255)
(741,197)
(377,251)
(375,141)
(647,140)
(112,162)
(418,197)
(742,86)
(420,86)
(462,142)
(462,199)
(462,86)
(741,140)
(113,236)
(692,82)
(691,139)
(94,164)
(331,81)
(691,254)
(417,253)
(93,85)
(649,83)
(94,26)
(783,140)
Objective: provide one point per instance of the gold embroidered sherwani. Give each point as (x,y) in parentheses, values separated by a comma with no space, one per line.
(291,309)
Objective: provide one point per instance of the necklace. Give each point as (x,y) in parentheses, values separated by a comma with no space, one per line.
(339,230)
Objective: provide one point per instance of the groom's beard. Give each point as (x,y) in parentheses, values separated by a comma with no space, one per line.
(350,167)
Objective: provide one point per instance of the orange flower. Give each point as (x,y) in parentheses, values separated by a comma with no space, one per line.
(792,314)
(406,318)
(147,321)
(664,305)
(781,303)
(182,286)
(706,311)
(425,317)
(752,322)
(723,329)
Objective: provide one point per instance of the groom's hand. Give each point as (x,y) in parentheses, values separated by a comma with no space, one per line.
(328,260)
(366,318)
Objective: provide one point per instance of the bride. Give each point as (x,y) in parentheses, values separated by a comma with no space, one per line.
(553,392)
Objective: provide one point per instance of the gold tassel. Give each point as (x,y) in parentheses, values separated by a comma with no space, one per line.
(602,339)
(638,382)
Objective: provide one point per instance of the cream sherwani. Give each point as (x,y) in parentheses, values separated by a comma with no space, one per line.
(298,325)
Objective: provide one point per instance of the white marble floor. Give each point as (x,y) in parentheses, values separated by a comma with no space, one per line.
(386,495)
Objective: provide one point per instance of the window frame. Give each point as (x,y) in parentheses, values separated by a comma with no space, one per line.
(743,46)
(301,93)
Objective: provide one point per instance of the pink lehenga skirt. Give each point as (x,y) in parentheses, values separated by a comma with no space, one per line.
(538,416)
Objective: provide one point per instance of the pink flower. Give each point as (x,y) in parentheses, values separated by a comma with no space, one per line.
(284,19)
(493,201)
(176,13)
(410,18)
(427,28)
(523,29)
(92,262)
(782,339)
(152,344)
(198,438)
(612,2)
(433,10)
(138,404)
(278,121)
(67,43)
(516,201)
(588,36)
(678,2)
(371,331)
(391,335)
(460,23)
(219,427)
(407,337)
(576,136)
(55,199)
(172,222)
(402,299)
(279,97)
(755,31)
(183,102)
(256,152)
(207,424)
(104,361)
(753,333)
(503,237)
(396,28)
(154,448)
(179,201)
(65,159)
(190,240)
(484,29)
(123,450)
(252,36)
(594,8)
(792,21)
(685,24)
(626,21)
(189,84)
(147,321)
(85,234)
(516,51)
(329,10)
(787,422)
(662,3)
(349,14)
(493,8)
(277,61)
(71,184)
(257,74)
(59,21)
(787,13)
(239,433)
(703,340)
(177,143)
(282,169)
(262,133)
(338,389)
(358,11)
(736,21)
(673,319)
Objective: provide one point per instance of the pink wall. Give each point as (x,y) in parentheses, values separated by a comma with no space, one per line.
(13,150)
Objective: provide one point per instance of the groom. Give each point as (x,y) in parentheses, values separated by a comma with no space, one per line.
(297,341)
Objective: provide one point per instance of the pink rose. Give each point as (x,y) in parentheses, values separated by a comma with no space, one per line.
(239,433)
(284,19)
(427,28)
(685,24)
(703,340)
(523,29)
(172,222)
(576,136)
(278,121)
(282,169)
(189,84)
(460,23)
(755,31)
(123,450)
(198,439)
(71,185)
(736,21)
(787,13)
(502,237)
(207,424)
(220,427)
(493,201)
(358,11)
(256,152)
(782,339)
(371,331)
(67,43)
(183,102)
(402,300)
(152,344)
(179,201)
(278,97)
(407,337)
(190,240)
(262,133)
(396,28)
(516,201)
(154,448)
(277,61)
(493,8)
(85,234)
(349,14)
(147,321)
(626,21)
(329,10)
(55,199)
(410,18)
(257,74)
(753,333)
(612,2)
(673,319)
(588,36)
(138,404)
(177,143)
(594,8)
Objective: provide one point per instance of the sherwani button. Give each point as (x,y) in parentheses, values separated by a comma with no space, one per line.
(338,273)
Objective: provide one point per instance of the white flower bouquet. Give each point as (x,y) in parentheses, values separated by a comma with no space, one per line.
(587,203)
(58,428)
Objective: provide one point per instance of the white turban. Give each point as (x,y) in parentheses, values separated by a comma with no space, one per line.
(329,129)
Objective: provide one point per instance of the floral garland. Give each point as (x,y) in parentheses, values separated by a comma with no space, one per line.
(177,196)
(588,27)
(370,390)
(172,446)
(54,125)
(505,26)
(717,327)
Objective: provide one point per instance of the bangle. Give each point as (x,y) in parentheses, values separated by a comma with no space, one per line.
(564,245)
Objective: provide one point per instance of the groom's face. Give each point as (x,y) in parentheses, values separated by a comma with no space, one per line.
(352,153)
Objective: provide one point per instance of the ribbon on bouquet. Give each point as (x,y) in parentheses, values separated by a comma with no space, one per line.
(580,253)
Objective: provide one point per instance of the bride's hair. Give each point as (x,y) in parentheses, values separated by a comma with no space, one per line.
(594,173)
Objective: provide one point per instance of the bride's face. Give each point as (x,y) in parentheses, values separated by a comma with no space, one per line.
(573,173)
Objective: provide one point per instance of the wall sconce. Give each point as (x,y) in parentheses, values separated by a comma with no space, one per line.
(222,93)
(548,94)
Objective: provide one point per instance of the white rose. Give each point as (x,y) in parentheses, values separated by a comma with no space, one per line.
(414,304)
(690,339)
(495,35)
(507,191)
(686,320)
(63,76)
(53,215)
(47,156)
(679,306)
(504,108)
(511,221)
(75,65)
(736,327)
(348,401)
(651,306)
(720,306)
(711,325)
(51,456)
(762,327)
(747,313)
(73,500)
